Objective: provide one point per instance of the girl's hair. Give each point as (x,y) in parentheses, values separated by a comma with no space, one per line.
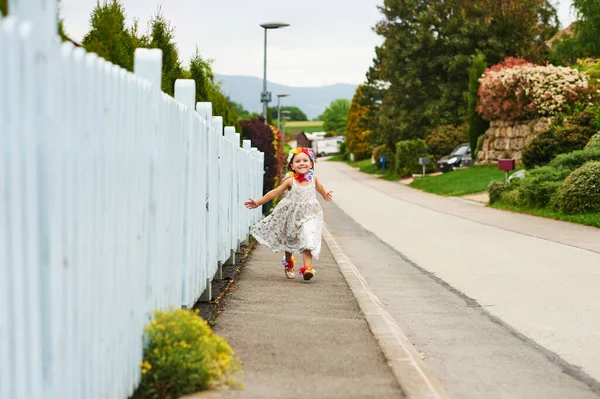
(298,150)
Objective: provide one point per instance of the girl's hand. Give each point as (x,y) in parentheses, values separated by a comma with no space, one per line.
(251,204)
(327,196)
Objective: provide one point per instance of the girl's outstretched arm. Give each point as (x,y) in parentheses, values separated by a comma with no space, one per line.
(251,203)
(321,190)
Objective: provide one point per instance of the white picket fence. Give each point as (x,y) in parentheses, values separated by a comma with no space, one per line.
(115,200)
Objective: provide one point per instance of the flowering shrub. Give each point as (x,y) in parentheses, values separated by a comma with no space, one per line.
(518,90)
(182,356)
(280,155)
(510,62)
(262,137)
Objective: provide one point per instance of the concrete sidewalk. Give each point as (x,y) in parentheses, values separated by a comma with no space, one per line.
(301,339)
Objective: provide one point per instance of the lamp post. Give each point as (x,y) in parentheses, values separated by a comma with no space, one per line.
(279,109)
(265,96)
(286,116)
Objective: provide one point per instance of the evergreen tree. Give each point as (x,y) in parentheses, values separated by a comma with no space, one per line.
(477,126)
(208,90)
(162,37)
(108,36)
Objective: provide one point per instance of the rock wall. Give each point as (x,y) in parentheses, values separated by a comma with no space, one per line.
(505,139)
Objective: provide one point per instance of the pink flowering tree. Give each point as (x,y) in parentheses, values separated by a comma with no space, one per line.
(519,90)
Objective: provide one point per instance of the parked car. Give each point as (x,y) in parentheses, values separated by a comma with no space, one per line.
(327,146)
(460,157)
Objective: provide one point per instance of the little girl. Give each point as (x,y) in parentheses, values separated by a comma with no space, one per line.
(296,224)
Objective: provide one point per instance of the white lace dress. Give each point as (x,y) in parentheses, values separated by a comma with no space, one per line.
(295,224)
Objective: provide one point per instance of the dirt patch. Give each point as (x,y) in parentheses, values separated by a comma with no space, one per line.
(209,310)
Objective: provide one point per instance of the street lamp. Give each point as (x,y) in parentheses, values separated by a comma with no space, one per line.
(279,109)
(265,97)
(286,116)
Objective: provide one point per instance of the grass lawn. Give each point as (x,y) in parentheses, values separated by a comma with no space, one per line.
(459,182)
(304,126)
(366,166)
(588,219)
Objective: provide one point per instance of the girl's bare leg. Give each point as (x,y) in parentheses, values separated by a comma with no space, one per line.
(289,268)
(307,270)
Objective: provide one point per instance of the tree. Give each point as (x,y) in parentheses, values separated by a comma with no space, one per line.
(4,7)
(357,136)
(477,126)
(421,69)
(207,90)
(334,117)
(242,112)
(138,40)
(162,37)
(108,36)
(583,40)
(296,113)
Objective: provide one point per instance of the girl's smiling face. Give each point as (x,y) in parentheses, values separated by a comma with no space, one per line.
(301,163)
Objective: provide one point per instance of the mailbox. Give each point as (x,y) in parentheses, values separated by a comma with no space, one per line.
(506,164)
(423,161)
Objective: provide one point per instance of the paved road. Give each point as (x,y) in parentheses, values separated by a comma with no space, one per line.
(501,305)
(301,339)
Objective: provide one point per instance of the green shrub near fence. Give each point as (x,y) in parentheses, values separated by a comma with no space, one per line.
(182,356)
(407,157)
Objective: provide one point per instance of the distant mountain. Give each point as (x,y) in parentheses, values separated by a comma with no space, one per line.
(312,100)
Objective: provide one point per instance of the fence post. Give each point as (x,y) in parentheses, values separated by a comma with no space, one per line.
(248,188)
(148,65)
(254,172)
(234,200)
(42,14)
(208,156)
(185,93)
(261,181)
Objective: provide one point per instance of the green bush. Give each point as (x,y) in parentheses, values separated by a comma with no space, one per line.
(512,196)
(580,192)
(407,157)
(479,146)
(575,159)
(572,136)
(496,189)
(594,142)
(540,184)
(441,141)
(183,356)
(383,150)
(540,149)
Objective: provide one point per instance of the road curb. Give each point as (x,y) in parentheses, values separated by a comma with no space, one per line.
(410,371)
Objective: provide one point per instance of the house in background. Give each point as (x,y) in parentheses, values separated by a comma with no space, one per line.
(301,140)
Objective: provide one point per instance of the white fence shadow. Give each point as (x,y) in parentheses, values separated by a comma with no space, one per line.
(115,200)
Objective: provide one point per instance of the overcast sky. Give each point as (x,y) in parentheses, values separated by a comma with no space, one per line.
(328,41)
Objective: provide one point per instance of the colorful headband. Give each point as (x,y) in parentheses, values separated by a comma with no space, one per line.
(307,151)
